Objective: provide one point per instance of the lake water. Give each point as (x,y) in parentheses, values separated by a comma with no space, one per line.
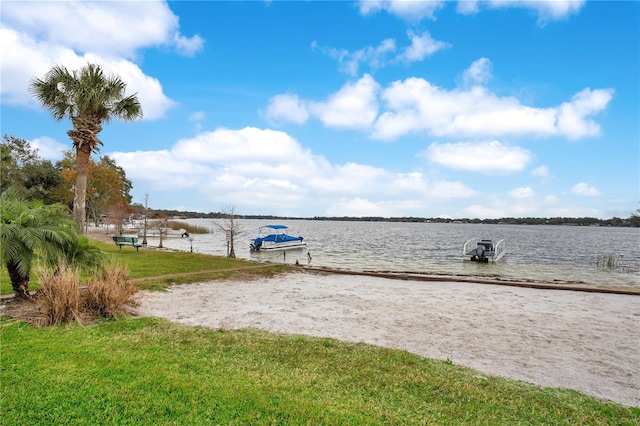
(550,254)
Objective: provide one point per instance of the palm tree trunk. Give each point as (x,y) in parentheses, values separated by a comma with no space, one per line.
(19,282)
(85,139)
(80,198)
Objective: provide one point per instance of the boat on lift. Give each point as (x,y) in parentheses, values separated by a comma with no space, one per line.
(484,251)
(275,237)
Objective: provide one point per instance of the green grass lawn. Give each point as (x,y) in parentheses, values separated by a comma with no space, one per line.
(148,267)
(149,371)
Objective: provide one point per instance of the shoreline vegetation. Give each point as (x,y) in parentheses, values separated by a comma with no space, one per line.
(147,370)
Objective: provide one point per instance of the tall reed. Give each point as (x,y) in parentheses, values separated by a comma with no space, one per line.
(191,229)
(59,296)
(108,295)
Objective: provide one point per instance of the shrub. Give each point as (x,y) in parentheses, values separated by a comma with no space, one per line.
(59,296)
(108,295)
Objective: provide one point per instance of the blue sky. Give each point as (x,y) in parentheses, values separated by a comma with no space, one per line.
(481,109)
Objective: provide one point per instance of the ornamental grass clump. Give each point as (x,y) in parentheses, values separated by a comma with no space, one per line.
(59,297)
(111,293)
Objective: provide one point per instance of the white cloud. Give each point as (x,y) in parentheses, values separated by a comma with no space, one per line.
(104,28)
(422,45)
(154,102)
(480,72)
(524,192)
(359,207)
(24,59)
(162,171)
(414,106)
(483,157)
(197,116)
(571,115)
(542,172)
(252,167)
(484,212)
(547,10)
(522,202)
(584,189)
(49,148)
(188,46)
(35,36)
(354,106)
(286,107)
(408,10)
(468,7)
(349,63)
(226,147)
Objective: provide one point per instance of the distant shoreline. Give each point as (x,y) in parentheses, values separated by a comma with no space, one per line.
(632,221)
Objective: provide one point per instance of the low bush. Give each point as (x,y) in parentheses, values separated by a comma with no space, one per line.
(110,293)
(59,295)
(61,299)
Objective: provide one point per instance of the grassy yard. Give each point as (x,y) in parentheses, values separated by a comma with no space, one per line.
(150,268)
(149,371)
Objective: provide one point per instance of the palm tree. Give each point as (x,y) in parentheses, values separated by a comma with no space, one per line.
(79,253)
(89,98)
(30,230)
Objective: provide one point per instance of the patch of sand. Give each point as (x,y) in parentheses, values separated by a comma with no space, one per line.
(589,342)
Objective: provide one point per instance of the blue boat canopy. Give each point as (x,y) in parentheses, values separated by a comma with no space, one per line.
(277,239)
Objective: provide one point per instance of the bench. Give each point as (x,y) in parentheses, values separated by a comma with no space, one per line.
(126,241)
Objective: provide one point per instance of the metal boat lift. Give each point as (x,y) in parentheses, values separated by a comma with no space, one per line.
(482,250)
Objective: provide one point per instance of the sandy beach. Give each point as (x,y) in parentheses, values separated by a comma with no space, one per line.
(589,342)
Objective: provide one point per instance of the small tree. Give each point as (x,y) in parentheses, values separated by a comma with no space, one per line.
(31,230)
(118,214)
(162,228)
(145,214)
(231,223)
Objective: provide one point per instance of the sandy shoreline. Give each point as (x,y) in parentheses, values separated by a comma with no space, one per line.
(589,342)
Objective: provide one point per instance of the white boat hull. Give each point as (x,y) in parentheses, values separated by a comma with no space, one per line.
(284,246)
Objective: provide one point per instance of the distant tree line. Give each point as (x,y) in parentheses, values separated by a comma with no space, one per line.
(632,221)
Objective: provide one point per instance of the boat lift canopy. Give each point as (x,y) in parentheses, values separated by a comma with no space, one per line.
(276,226)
